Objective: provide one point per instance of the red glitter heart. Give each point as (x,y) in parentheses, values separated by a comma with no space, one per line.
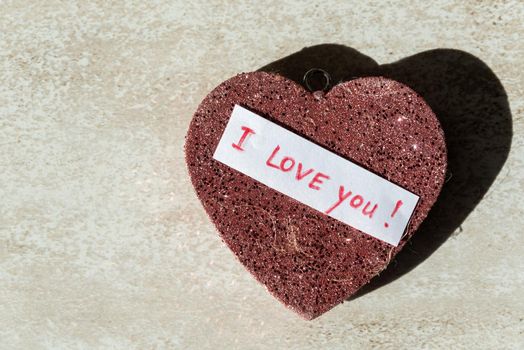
(307,260)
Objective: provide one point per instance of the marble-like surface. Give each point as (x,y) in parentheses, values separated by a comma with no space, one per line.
(103,243)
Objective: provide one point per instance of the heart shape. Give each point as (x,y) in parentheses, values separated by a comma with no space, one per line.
(307,260)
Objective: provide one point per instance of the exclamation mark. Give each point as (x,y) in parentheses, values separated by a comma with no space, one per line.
(397,207)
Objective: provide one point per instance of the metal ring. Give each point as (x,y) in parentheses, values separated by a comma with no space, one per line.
(311,72)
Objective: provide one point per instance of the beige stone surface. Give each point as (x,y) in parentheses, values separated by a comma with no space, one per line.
(103,243)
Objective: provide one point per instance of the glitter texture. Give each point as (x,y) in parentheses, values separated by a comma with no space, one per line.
(307,260)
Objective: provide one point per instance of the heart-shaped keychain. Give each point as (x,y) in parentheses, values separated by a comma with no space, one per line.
(315,193)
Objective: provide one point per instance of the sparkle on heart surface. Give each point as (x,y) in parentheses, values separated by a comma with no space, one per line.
(306,259)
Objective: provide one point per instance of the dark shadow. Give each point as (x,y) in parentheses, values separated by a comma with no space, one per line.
(472,107)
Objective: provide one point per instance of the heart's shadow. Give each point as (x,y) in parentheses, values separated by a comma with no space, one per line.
(472,107)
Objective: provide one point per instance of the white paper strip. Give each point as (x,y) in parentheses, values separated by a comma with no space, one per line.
(315,176)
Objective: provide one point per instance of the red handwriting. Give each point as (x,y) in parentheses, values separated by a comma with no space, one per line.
(287,163)
(318,179)
(246,133)
(300,174)
(355,202)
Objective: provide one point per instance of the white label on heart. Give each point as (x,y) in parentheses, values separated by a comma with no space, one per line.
(315,176)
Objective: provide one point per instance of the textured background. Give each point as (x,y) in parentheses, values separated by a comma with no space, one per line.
(103,243)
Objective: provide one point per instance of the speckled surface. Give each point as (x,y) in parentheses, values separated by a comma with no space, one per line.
(103,243)
(307,260)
